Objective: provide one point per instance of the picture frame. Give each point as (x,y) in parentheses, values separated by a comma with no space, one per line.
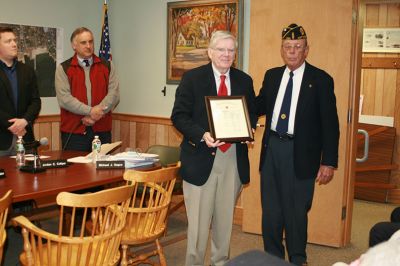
(189,28)
(228,118)
(381,40)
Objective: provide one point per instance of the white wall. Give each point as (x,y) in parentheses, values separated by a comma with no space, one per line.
(138,40)
(138,31)
(68,15)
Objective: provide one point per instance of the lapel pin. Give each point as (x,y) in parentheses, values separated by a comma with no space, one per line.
(310,85)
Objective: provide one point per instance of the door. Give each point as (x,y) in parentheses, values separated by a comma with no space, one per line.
(332,47)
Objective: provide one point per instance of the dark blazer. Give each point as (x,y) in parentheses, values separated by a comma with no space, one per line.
(29,103)
(316,126)
(189,116)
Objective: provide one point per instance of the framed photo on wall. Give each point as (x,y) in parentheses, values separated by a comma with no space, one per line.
(190,25)
(381,40)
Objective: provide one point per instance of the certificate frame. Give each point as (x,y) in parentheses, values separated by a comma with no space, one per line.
(228,118)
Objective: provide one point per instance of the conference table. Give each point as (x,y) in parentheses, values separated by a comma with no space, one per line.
(76,176)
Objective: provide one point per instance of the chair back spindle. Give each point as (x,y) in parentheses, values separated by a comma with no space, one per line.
(74,243)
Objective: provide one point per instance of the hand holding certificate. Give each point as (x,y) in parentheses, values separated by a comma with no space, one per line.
(228,118)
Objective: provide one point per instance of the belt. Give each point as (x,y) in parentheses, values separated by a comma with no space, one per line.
(285,136)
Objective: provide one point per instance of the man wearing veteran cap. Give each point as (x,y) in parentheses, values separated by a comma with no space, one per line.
(300,144)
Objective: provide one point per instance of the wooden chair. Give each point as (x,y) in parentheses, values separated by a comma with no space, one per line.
(148,212)
(73,244)
(5,202)
(169,156)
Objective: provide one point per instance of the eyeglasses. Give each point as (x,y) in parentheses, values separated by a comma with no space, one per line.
(296,47)
(224,50)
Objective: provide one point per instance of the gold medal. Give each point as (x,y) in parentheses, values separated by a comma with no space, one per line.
(283,116)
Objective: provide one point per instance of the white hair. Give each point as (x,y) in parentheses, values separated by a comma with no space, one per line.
(220,35)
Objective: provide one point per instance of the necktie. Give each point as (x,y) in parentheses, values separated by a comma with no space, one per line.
(223,91)
(86,61)
(283,120)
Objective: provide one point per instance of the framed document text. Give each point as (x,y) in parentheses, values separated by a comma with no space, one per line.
(228,118)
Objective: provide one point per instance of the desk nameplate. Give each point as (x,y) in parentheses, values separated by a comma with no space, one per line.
(54,164)
(110,165)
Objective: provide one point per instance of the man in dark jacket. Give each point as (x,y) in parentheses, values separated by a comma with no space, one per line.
(19,96)
(300,144)
(213,171)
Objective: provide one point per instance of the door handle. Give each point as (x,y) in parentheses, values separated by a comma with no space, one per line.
(366,146)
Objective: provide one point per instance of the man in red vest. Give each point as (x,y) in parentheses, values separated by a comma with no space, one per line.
(87,91)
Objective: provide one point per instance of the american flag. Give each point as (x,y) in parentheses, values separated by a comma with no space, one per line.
(105,45)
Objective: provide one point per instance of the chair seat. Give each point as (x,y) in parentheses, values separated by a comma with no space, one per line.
(69,257)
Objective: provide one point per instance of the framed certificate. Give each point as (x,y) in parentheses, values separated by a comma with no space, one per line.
(228,118)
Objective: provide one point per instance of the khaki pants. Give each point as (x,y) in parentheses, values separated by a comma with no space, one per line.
(212,204)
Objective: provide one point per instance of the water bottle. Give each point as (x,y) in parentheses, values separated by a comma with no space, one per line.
(96,147)
(20,152)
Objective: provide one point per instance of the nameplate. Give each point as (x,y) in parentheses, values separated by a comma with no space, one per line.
(2,173)
(110,165)
(54,164)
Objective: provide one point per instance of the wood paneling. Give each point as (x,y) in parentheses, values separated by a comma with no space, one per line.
(381,62)
(376,170)
(134,131)
(380,75)
(48,126)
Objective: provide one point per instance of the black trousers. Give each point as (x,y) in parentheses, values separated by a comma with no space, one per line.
(382,231)
(83,142)
(285,201)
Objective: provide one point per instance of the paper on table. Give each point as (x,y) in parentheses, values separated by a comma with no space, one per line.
(134,159)
(80,159)
(106,148)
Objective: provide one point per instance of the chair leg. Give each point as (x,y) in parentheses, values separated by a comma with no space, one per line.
(124,260)
(27,247)
(163,261)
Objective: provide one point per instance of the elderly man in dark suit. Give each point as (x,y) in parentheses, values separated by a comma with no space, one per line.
(299,147)
(213,171)
(19,97)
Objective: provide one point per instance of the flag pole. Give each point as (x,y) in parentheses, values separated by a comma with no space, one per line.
(105,49)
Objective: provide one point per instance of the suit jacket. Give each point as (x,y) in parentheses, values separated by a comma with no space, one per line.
(316,126)
(29,103)
(189,116)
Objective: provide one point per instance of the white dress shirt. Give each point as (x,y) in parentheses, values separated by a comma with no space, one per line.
(217,77)
(297,78)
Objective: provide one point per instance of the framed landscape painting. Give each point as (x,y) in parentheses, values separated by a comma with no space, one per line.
(190,25)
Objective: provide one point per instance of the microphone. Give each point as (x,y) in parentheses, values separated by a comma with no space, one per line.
(70,134)
(36,167)
(36,143)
